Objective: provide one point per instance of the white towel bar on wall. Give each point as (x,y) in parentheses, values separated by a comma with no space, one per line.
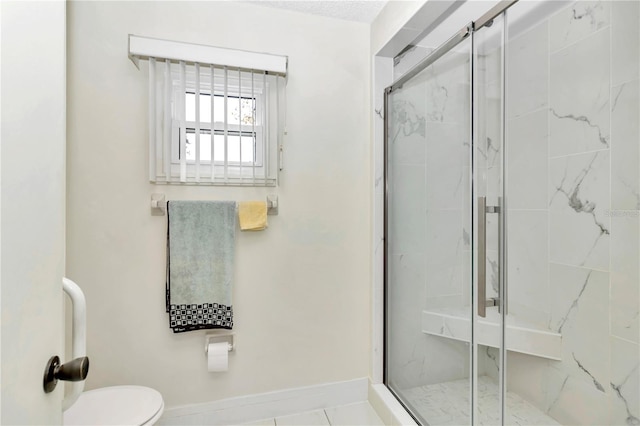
(159,204)
(272,204)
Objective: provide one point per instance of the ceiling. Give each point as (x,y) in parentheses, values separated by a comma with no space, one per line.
(351,10)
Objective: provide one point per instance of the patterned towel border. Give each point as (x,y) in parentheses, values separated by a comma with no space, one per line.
(199,317)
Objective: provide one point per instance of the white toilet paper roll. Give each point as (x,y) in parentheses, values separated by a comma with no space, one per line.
(218,356)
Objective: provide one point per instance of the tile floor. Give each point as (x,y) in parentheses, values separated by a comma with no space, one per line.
(360,413)
(448,404)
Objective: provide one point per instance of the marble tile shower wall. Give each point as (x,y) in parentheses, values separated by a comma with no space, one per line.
(573,170)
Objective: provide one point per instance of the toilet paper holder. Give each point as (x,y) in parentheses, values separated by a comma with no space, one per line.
(217,338)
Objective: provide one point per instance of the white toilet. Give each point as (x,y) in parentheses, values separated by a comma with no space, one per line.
(116,405)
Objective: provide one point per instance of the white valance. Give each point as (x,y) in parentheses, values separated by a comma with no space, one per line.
(146,47)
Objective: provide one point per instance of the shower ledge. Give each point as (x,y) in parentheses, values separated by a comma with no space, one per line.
(521,337)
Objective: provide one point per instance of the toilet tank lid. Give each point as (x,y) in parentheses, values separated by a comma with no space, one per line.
(115,405)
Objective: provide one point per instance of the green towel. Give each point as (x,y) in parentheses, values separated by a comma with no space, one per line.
(200,262)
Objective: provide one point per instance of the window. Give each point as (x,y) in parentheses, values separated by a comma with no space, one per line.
(243,131)
(212,124)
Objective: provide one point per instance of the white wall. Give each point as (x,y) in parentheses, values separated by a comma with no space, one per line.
(302,288)
(391,21)
(33,187)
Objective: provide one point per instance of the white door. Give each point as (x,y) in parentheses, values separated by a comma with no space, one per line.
(32,206)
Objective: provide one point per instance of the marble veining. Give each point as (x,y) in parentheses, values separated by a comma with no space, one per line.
(439,95)
(490,152)
(617,91)
(447,89)
(574,304)
(631,419)
(572,192)
(555,400)
(582,367)
(604,139)
(465,237)
(579,96)
(491,353)
(578,205)
(587,11)
(578,21)
(625,382)
(406,120)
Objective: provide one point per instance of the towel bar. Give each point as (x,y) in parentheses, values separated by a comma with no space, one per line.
(159,205)
(272,205)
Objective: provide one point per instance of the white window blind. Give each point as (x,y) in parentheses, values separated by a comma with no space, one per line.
(213,123)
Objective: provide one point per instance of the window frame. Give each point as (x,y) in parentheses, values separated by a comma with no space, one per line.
(245,90)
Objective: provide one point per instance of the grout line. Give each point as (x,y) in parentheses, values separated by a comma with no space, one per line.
(529,112)
(611,153)
(624,339)
(622,83)
(606,27)
(551,262)
(575,154)
(551,292)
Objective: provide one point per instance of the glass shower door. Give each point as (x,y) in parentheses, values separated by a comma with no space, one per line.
(429,356)
(512,257)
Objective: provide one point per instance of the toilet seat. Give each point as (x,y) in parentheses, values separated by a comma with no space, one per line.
(116,405)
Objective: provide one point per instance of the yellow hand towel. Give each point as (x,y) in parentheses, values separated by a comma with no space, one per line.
(252,215)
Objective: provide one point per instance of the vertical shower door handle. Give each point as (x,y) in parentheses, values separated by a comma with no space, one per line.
(483,302)
(482,256)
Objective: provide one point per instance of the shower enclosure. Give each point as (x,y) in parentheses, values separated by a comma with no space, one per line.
(512,220)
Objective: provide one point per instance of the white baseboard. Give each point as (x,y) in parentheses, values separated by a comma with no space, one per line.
(250,408)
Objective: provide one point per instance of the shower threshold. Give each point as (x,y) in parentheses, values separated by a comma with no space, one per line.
(448,404)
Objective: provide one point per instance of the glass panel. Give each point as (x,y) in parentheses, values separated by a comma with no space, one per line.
(488,141)
(428,264)
(205,147)
(233,145)
(238,112)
